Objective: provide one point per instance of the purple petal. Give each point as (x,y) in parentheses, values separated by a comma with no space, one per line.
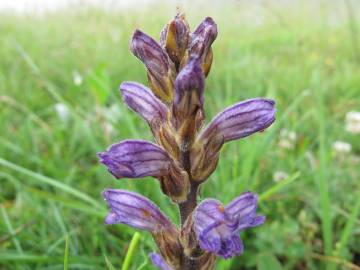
(203,37)
(243,210)
(241,120)
(189,88)
(135,159)
(159,262)
(134,210)
(144,102)
(217,227)
(150,53)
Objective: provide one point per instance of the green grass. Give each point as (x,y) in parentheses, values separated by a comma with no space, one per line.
(304,55)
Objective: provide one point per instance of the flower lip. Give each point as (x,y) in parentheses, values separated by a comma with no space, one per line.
(217,227)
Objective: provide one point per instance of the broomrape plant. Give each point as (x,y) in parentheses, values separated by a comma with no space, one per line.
(185,153)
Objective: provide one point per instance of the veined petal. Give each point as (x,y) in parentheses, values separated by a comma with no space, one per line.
(144,102)
(217,227)
(243,210)
(134,210)
(200,43)
(241,120)
(135,159)
(150,53)
(203,36)
(159,262)
(160,68)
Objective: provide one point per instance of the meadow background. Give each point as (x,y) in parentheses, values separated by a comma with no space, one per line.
(60,105)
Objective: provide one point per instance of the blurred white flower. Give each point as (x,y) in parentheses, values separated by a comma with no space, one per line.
(62,111)
(353,122)
(341,148)
(280,176)
(77,78)
(287,139)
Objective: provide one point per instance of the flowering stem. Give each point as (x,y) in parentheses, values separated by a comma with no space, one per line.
(189,205)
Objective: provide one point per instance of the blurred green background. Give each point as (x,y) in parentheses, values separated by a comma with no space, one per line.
(60,105)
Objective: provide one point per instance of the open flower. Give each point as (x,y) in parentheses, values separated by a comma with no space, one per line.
(139,212)
(217,227)
(235,122)
(138,158)
(134,210)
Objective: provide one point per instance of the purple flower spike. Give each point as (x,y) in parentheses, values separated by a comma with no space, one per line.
(134,210)
(135,159)
(217,227)
(241,120)
(189,88)
(159,262)
(144,102)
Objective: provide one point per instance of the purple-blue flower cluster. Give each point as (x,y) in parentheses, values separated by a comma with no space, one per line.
(185,152)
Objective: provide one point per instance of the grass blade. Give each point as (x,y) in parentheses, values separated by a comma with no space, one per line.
(66,253)
(279,186)
(51,182)
(130,253)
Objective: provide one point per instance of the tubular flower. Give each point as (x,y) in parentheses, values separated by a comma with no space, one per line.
(185,153)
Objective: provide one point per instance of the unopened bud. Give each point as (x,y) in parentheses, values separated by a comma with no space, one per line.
(175,38)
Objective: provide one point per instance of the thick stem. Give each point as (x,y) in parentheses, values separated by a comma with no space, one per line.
(189,205)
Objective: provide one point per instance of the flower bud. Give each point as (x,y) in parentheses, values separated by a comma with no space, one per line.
(235,122)
(188,100)
(174,38)
(159,66)
(200,43)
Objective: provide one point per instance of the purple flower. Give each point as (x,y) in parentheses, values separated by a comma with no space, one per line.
(158,261)
(150,53)
(217,227)
(235,122)
(203,36)
(159,66)
(135,159)
(145,103)
(241,120)
(200,43)
(134,210)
